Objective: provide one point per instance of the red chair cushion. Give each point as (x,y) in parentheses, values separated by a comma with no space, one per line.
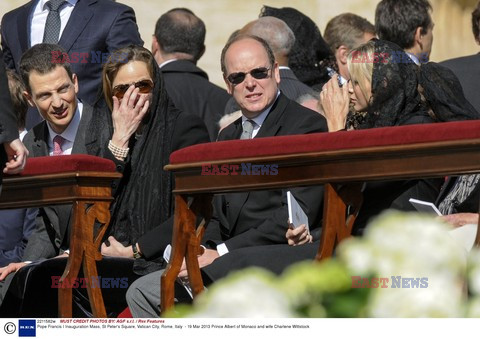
(67,163)
(318,142)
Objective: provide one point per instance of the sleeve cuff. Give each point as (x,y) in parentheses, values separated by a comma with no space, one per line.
(222,249)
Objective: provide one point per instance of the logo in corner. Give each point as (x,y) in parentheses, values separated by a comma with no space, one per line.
(10,328)
(27,328)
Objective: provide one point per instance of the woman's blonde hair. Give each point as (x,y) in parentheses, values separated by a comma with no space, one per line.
(360,62)
(120,58)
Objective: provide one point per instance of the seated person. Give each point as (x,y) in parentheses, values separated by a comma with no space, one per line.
(386,93)
(248,219)
(16,225)
(139,134)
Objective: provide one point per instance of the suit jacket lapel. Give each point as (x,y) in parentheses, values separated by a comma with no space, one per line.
(79,143)
(273,123)
(40,146)
(24,25)
(81,15)
(270,127)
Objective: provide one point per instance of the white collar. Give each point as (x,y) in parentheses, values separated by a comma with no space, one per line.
(72,128)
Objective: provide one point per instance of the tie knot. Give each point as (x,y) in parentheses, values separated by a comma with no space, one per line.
(54,5)
(58,141)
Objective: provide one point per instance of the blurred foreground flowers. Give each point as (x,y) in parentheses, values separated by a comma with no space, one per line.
(406,265)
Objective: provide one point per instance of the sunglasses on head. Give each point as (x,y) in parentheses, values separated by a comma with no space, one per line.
(144,87)
(257,73)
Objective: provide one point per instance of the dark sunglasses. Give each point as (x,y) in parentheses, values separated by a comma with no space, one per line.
(144,87)
(257,73)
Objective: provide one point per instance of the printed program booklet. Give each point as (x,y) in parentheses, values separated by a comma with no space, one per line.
(296,215)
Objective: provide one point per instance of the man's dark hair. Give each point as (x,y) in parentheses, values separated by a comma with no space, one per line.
(238,37)
(476,22)
(180,31)
(397,20)
(43,58)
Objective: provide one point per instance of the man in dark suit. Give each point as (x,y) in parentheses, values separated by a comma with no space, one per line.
(467,68)
(52,89)
(13,154)
(252,218)
(89,28)
(281,39)
(177,45)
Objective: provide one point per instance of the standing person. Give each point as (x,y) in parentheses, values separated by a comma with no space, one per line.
(407,23)
(16,225)
(467,68)
(13,154)
(178,44)
(86,29)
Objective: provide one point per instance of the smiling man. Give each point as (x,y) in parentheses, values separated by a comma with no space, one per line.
(52,88)
(246,219)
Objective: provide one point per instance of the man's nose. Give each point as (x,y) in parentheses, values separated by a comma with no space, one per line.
(56,100)
(250,81)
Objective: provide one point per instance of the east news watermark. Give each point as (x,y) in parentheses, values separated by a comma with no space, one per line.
(240,169)
(389,282)
(93,57)
(92,282)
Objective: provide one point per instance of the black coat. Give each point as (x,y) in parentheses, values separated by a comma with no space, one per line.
(191,92)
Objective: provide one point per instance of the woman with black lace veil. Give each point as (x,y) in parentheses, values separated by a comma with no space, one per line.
(310,57)
(387,89)
(139,131)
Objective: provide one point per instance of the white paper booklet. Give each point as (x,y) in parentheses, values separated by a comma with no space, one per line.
(296,215)
(425,206)
(182,281)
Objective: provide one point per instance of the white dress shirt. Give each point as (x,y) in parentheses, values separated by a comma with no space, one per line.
(69,134)
(39,17)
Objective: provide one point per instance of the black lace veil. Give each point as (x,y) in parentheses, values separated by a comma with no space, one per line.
(143,198)
(310,54)
(403,92)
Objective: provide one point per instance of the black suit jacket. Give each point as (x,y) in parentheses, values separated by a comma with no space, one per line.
(260,217)
(467,70)
(100,26)
(290,86)
(254,218)
(8,120)
(191,92)
(52,221)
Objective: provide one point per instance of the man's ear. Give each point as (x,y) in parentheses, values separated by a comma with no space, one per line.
(341,54)
(202,52)
(229,85)
(419,37)
(29,98)
(155,45)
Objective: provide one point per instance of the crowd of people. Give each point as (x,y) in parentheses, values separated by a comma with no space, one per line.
(136,106)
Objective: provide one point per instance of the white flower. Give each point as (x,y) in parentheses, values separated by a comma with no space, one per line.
(410,246)
(250,293)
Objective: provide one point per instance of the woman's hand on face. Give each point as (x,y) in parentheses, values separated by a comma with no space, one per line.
(335,103)
(127,115)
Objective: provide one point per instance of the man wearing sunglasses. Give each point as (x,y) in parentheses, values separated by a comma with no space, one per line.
(248,219)
(281,39)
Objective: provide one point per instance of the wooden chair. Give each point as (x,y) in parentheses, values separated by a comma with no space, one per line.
(85,181)
(341,161)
